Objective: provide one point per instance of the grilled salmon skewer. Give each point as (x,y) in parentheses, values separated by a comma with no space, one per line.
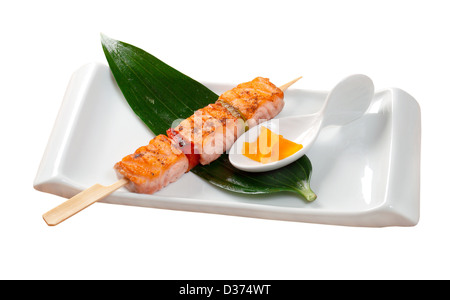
(199,139)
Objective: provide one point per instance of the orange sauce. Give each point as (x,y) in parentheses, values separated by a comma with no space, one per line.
(269,147)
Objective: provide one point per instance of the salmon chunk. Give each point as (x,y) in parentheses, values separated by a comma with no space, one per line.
(258,100)
(212,130)
(152,167)
(233,125)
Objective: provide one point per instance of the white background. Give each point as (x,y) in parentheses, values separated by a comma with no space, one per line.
(402,44)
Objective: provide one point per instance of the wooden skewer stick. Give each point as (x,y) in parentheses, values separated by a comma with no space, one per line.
(285,86)
(95,193)
(80,202)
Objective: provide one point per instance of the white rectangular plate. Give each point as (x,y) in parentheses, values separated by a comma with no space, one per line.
(366,173)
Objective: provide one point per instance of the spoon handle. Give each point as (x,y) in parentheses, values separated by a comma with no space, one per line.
(348,100)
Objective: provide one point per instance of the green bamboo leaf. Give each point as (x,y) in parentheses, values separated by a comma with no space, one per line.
(159,95)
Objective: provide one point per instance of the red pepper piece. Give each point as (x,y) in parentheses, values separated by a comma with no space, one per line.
(187,147)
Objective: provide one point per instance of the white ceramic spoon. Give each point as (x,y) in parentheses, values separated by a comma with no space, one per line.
(346,102)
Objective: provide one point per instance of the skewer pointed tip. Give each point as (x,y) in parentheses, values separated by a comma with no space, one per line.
(284,87)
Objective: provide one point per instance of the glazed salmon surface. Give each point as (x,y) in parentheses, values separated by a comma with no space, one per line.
(258,100)
(153,166)
(212,130)
(205,133)
(232,125)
